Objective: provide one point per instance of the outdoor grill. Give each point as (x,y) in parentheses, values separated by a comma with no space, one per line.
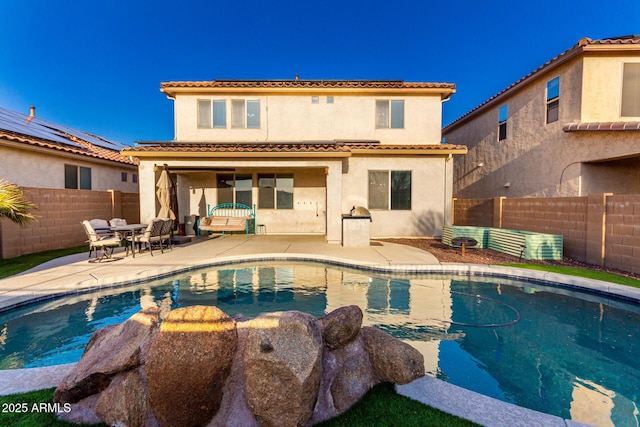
(356,227)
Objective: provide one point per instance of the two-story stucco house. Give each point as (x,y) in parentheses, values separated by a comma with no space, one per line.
(304,152)
(569,128)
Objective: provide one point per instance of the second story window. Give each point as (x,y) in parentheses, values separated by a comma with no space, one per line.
(502,123)
(245,113)
(390,114)
(209,117)
(553,99)
(631,90)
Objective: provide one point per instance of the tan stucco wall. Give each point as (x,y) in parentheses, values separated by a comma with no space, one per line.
(46,170)
(296,118)
(602,88)
(430,195)
(538,159)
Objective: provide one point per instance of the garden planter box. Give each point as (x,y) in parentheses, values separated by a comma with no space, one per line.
(526,244)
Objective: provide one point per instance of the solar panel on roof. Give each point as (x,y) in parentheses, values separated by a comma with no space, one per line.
(19,123)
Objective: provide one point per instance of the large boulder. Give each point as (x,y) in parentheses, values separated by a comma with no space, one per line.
(341,326)
(124,402)
(347,374)
(188,365)
(393,360)
(110,350)
(282,360)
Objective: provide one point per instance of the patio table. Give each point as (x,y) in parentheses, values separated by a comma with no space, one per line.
(129,230)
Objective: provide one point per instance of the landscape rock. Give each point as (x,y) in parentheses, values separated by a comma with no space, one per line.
(110,350)
(202,368)
(123,403)
(337,393)
(188,365)
(394,360)
(341,326)
(282,363)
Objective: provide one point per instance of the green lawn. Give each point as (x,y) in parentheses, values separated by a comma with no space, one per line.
(581,272)
(11,266)
(381,406)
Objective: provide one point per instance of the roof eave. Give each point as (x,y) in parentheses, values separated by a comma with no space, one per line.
(228,154)
(445,91)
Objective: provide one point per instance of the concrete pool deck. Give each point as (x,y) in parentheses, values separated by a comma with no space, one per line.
(74,273)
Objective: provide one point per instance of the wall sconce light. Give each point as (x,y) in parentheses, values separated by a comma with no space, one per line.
(507,184)
(479,165)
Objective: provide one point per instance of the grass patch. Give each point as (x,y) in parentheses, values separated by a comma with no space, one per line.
(18,410)
(581,272)
(11,266)
(382,406)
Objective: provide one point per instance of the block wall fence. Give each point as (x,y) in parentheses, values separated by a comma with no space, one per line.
(60,213)
(600,229)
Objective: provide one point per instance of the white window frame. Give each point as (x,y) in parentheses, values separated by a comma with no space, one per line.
(553,102)
(241,120)
(385,116)
(630,99)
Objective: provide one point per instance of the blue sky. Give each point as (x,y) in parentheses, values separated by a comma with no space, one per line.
(97,66)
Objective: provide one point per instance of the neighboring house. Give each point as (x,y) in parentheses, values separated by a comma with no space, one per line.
(569,128)
(41,154)
(304,152)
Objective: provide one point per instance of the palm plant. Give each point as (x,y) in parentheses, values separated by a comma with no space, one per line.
(14,205)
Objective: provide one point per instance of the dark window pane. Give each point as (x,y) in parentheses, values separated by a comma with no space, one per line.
(378,190)
(631,91)
(243,189)
(401,190)
(219,114)
(397,114)
(70,176)
(502,131)
(225,188)
(85,178)
(284,187)
(266,184)
(552,111)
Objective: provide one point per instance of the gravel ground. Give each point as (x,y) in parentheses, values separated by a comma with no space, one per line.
(445,253)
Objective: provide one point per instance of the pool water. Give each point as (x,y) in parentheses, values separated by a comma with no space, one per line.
(571,354)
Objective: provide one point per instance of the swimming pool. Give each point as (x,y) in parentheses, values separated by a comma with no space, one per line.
(567,353)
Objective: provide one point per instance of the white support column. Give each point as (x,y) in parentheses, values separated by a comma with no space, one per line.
(147,185)
(334,201)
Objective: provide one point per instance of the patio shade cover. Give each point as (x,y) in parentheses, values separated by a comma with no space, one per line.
(167,196)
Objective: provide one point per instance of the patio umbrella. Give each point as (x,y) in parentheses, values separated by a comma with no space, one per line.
(167,196)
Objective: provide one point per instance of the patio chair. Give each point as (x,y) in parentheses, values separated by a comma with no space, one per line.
(152,234)
(103,243)
(165,233)
(115,222)
(101,226)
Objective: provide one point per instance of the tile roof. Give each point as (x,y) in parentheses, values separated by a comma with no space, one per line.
(33,131)
(307,84)
(298,148)
(602,126)
(584,44)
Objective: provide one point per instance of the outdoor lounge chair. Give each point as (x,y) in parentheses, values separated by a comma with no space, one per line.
(152,234)
(101,242)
